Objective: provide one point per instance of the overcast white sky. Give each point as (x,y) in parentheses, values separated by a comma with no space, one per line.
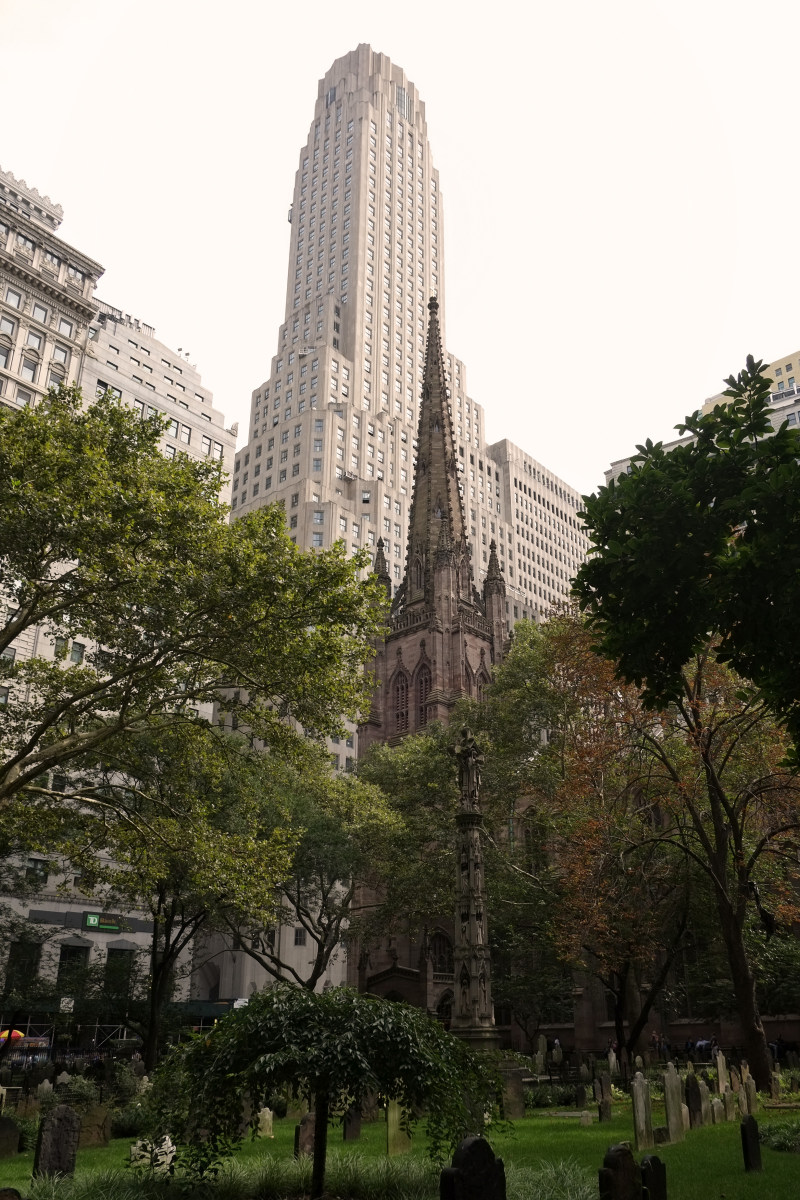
(619,184)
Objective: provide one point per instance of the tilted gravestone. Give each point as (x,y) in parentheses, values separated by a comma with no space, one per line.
(57,1144)
(476,1174)
(264,1126)
(583,1073)
(9,1137)
(620,1176)
(351,1125)
(775,1086)
(705,1102)
(752,1095)
(398,1141)
(597,1088)
(654,1177)
(722,1073)
(736,1079)
(673,1103)
(642,1116)
(694,1101)
(717,1111)
(729,1101)
(304,1135)
(751,1147)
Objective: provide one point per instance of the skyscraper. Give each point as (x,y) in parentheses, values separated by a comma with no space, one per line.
(332,433)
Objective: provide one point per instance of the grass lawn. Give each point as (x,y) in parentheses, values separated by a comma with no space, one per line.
(706,1166)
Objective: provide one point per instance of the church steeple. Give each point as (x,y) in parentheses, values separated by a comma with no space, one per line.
(437,529)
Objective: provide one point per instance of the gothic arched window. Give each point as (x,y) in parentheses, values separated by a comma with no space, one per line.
(401,703)
(482,683)
(441,954)
(418,577)
(423,692)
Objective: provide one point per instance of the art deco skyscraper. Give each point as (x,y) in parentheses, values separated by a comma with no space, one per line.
(332,429)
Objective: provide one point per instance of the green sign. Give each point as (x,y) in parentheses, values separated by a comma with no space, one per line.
(102,922)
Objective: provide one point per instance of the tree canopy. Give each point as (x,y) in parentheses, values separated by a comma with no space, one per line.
(334,1048)
(701,542)
(130,600)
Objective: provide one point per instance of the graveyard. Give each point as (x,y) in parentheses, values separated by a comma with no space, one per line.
(548,1154)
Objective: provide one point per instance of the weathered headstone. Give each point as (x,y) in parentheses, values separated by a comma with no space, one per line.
(513,1094)
(751,1148)
(538,1062)
(717,1111)
(612,1062)
(722,1073)
(63,1080)
(654,1177)
(157,1156)
(398,1141)
(304,1135)
(580,1096)
(351,1126)
(583,1073)
(729,1101)
(661,1135)
(9,1137)
(642,1116)
(57,1144)
(685,1117)
(638,1062)
(620,1175)
(604,1110)
(541,1046)
(475,1174)
(95,1127)
(605,1086)
(694,1101)
(736,1079)
(672,1103)
(705,1102)
(264,1126)
(752,1096)
(744,1111)
(44,1089)
(558,1055)
(586,1118)
(775,1086)
(597,1088)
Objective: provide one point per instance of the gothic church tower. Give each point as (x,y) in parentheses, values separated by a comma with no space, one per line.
(443,636)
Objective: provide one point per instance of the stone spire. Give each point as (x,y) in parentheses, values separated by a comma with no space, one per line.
(381,569)
(437,529)
(494,581)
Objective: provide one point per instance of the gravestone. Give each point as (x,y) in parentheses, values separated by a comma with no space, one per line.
(661,1135)
(604,1110)
(304,1135)
(620,1176)
(685,1117)
(597,1088)
(729,1101)
(736,1079)
(580,1096)
(744,1111)
(351,1126)
(722,1073)
(264,1126)
(752,1096)
(44,1089)
(397,1140)
(705,1102)
(513,1094)
(751,1147)
(612,1062)
(775,1086)
(583,1073)
(586,1118)
(642,1116)
(605,1086)
(538,1062)
(64,1079)
(155,1156)
(57,1143)
(541,1046)
(558,1054)
(654,1177)
(638,1062)
(475,1174)
(95,1127)
(717,1111)
(138,1067)
(9,1137)
(694,1101)
(672,1103)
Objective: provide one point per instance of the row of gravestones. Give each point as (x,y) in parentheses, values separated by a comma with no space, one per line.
(94,1129)
(398,1139)
(688,1104)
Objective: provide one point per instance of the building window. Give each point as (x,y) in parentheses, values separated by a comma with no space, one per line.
(14,299)
(401,703)
(77,652)
(39,313)
(299,936)
(37,871)
(65,327)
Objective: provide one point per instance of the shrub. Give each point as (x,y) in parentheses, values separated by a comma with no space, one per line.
(781,1136)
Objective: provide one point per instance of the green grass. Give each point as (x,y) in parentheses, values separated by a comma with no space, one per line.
(547,1158)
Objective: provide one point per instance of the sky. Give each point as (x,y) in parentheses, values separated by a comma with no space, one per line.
(619,186)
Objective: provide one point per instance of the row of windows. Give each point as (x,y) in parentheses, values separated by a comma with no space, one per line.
(27,246)
(14,299)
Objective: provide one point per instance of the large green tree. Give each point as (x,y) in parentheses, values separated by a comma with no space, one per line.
(130,600)
(334,1049)
(702,542)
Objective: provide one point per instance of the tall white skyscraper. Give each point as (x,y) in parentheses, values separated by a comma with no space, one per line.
(332,429)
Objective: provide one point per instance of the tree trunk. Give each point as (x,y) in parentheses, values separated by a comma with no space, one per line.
(744,987)
(320,1144)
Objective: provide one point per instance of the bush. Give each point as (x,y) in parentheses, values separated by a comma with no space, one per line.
(130,1121)
(29,1131)
(781,1136)
(278,1104)
(552,1095)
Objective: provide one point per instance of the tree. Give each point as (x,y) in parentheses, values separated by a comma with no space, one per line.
(700,543)
(334,1048)
(181,834)
(345,832)
(124,562)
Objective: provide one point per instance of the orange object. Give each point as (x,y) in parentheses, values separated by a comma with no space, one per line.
(15,1033)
